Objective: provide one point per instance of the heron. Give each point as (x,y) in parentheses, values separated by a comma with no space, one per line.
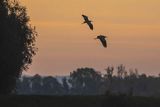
(86,20)
(102,39)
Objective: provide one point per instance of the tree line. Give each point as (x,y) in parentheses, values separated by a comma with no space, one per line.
(88,81)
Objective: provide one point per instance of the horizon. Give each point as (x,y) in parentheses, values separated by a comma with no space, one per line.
(132,28)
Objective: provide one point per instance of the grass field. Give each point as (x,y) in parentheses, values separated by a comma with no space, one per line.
(77,101)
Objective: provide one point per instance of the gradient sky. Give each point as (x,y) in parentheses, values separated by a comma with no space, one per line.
(132,27)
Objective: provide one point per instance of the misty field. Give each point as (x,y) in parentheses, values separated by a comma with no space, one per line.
(78,101)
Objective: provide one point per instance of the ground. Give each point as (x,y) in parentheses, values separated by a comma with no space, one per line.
(77,101)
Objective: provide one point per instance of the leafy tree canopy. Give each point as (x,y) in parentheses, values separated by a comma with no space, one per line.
(17,43)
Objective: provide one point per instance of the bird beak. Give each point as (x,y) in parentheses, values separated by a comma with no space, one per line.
(95,38)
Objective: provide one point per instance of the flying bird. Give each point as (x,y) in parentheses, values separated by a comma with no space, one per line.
(86,20)
(102,39)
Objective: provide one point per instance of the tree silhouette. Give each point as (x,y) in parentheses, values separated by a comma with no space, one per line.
(85,81)
(23,85)
(48,84)
(17,43)
(36,84)
(109,76)
(51,86)
(65,86)
(120,71)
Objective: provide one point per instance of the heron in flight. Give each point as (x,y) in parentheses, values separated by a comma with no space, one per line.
(86,20)
(102,39)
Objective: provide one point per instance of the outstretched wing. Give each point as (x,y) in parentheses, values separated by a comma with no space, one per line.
(90,25)
(85,17)
(104,42)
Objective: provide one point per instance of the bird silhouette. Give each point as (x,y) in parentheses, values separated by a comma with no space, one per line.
(86,20)
(102,38)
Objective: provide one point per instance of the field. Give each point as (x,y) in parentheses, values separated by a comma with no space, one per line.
(78,101)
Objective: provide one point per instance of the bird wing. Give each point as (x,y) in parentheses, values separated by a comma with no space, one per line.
(85,17)
(104,42)
(90,25)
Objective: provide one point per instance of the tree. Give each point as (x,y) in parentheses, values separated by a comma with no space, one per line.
(24,85)
(85,81)
(48,85)
(36,84)
(51,86)
(17,43)
(109,71)
(120,71)
(65,86)
(109,76)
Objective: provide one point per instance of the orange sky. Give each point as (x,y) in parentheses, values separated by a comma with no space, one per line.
(132,27)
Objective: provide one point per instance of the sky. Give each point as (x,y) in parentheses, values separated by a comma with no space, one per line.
(64,44)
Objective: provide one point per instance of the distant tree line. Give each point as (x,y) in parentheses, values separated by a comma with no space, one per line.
(88,81)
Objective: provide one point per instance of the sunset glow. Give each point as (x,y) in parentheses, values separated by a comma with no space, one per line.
(132,27)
